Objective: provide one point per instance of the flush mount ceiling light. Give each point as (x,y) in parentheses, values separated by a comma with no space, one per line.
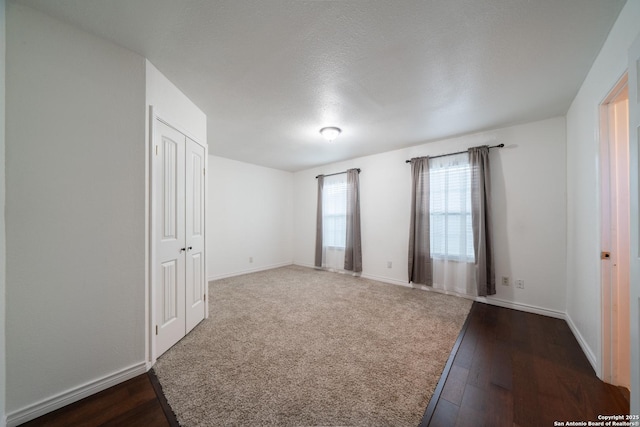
(330,133)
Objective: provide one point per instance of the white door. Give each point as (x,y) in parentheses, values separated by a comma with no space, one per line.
(169,163)
(614,222)
(194,222)
(634,142)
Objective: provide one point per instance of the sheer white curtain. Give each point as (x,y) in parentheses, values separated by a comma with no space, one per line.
(451,238)
(334,221)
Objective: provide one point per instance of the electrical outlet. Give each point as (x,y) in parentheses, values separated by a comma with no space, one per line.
(389,264)
(505,281)
(520,284)
(250,259)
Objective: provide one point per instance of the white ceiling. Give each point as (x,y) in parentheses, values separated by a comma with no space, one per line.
(270,73)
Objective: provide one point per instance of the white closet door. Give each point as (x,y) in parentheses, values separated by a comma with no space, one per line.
(194,222)
(170,237)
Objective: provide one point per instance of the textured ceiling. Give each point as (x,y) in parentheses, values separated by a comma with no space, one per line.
(270,73)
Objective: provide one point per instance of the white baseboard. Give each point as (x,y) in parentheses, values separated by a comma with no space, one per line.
(389,280)
(302,264)
(591,357)
(67,397)
(523,307)
(248,271)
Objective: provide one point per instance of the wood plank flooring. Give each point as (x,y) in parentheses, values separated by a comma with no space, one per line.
(508,368)
(136,402)
(520,369)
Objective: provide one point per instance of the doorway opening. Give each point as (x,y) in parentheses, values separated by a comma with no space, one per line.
(615,235)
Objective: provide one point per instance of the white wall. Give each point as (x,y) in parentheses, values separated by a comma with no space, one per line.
(249,215)
(75,214)
(528,178)
(173,105)
(583,203)
(2,230)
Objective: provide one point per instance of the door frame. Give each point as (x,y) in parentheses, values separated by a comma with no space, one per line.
(150,307)
(633,56)
(608,276)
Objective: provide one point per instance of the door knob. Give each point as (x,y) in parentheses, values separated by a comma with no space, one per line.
(183,249)
(189,248)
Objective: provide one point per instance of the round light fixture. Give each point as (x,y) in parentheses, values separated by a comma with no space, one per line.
(330,133)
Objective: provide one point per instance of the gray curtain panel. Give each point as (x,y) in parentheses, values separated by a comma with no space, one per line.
(420,268)
(353,249)
(481,220)
(318,260)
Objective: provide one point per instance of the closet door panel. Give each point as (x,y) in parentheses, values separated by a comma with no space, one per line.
(194,222)
(170,236)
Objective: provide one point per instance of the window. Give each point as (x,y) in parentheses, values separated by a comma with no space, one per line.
(450,208)
(334,211)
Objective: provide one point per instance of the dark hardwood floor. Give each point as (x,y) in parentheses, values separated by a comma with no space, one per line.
(519,369)
(508,368)
(136,402)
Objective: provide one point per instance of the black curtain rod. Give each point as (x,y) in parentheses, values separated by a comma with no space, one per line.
(337,173)
(453,154)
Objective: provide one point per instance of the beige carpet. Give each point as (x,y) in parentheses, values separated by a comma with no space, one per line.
(299,347)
